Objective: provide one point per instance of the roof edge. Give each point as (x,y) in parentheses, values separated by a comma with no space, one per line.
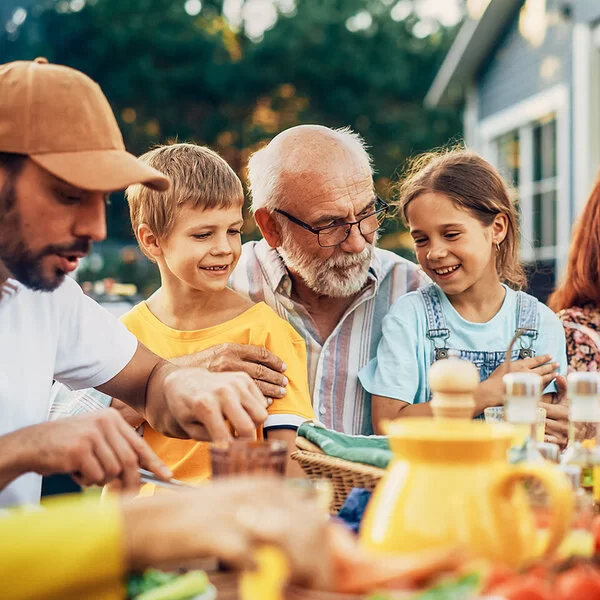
(451,63)
(472,45)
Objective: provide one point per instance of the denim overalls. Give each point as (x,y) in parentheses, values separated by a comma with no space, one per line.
(485,361)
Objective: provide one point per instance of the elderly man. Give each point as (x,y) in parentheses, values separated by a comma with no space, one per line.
(318,267)
(61,152)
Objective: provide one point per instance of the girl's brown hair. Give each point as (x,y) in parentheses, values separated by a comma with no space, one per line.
(473,184)
(581,284)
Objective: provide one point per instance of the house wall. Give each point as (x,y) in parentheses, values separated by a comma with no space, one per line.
(516,70)
(521,81)
(586,11)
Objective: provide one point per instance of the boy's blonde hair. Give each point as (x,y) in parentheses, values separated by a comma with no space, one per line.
(199,178)
(473,184)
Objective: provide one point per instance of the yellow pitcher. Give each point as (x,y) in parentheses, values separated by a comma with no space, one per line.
(449,483)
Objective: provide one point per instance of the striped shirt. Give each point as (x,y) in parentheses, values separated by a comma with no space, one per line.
(339,400)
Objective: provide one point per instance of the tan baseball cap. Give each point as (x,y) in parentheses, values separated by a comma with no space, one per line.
(61,119)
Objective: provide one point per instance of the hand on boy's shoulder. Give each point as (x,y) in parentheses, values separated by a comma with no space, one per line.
(263,366)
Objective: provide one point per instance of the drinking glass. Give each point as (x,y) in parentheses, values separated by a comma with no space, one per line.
(495,414)
(239,456)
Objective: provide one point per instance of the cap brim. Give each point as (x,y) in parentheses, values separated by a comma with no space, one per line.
(101,170)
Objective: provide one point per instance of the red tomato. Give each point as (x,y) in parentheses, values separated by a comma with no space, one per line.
(523,587)
(540,571)
(596,533)
(581,583)
(497,575)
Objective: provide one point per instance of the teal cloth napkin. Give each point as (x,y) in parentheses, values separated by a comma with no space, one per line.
(367,449)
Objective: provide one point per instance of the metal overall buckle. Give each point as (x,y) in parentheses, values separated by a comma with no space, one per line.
(526,351)
(440,353)
(442,334)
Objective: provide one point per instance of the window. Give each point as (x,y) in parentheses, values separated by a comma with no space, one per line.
(544,187)
(527,158)
(508,157)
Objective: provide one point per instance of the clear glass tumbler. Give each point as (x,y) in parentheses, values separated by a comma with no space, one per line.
(495,414)
(237,457)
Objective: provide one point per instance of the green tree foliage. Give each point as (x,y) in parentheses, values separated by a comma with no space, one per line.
(373,79)
(169,75)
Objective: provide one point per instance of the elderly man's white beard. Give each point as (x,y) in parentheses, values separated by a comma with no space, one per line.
(339,276)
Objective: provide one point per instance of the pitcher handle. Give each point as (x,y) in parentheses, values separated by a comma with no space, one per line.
(558,488)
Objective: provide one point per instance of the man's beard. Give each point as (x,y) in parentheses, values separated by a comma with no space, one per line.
(24,265)
(337,276)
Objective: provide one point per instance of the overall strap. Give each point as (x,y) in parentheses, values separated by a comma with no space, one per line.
(526,323)
(437,331)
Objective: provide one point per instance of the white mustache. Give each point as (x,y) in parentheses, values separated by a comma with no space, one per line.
(349,260)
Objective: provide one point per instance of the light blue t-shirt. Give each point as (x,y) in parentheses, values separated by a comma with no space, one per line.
(404,353)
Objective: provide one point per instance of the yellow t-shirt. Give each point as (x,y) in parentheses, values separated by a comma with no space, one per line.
(260,326)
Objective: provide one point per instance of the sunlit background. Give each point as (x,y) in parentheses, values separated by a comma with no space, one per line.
(233,73)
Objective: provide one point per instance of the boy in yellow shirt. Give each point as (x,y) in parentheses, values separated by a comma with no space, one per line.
(193,234)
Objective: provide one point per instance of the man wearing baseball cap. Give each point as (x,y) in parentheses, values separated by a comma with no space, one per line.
(61,153)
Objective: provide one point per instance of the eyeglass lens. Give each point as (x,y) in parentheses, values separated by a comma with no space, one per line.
(333,236)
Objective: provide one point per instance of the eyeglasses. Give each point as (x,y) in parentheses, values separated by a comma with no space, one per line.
(334,235)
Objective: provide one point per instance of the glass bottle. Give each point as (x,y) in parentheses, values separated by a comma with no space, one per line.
(584,415)
(580,540)
(522,393)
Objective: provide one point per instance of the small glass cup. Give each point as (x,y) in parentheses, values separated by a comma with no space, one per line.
(237,457)
(495,414)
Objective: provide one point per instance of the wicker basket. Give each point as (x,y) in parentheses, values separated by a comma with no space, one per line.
(344,474)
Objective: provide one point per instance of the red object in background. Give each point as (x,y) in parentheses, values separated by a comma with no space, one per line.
(498,575)
(109,283)
(541,572)
(596,533)
(581,583)
(524,587)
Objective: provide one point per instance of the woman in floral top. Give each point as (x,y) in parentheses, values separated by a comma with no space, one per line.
(577,299)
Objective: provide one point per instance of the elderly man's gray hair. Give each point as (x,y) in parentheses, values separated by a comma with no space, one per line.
(267,165)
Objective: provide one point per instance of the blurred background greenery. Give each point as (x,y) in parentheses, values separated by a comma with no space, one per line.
(231,74)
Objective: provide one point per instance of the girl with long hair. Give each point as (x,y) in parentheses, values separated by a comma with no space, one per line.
(464,228)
